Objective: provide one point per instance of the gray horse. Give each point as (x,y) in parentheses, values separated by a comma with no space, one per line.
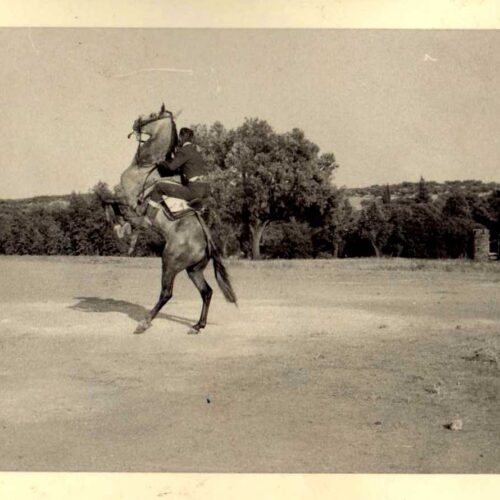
(188,243)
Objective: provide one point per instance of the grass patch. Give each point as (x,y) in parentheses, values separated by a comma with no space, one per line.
(374,264)
(491,268)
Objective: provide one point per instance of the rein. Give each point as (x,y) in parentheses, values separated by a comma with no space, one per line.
(143,189)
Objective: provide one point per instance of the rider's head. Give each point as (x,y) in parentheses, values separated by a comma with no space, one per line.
(185,135)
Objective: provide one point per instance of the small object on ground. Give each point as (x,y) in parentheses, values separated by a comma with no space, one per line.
(433,389)
(455,425)
(484,355)
(378,422)
(208,400)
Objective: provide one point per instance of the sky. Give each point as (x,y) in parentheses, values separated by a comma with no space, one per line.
(392,105)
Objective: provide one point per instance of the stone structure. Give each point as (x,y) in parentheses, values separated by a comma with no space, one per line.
(481,249)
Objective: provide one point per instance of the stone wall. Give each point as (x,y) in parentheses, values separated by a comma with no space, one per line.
(481,244)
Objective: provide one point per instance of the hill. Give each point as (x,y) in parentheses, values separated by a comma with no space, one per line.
(35,203)
(359,196)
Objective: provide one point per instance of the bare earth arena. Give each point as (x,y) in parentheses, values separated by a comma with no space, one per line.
(363,365)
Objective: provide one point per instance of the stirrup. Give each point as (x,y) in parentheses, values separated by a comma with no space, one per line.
(196,204)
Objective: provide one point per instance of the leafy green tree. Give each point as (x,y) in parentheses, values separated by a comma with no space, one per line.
(481,211)
(423,231)
(288,240)
(86,227)
(457,216)
(398,240)
(274,177)
(55,241)
(457,205)
(338,221)
(215,142)
(493,204)
(386,195)
(220,215)
(374,224)
(259,176)
(423,195)
(19,238)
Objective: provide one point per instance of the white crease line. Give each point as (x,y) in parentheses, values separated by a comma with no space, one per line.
(147,70)
(37,52)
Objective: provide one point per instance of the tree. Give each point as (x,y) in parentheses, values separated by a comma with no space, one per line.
(386,195)
(374,224)
(259,176)
(221,216)
(423,231)
(458,218)
(215,142)
(422,195)
(481,211)
(274,177)
(493,204)
(397,241)
(456,205)
(289,240)
(337,223)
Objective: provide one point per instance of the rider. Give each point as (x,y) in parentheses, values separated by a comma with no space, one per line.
(188,164)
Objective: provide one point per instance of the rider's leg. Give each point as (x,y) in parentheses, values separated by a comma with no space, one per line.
(166,188)
(174,190)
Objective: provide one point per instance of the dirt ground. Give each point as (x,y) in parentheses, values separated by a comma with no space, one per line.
(326,366)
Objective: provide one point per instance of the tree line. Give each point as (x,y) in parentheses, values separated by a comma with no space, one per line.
(419,226)
(273,196)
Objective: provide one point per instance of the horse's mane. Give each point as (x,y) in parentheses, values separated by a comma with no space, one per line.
(174,139)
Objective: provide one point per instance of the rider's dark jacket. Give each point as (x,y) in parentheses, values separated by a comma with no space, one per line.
(188,163)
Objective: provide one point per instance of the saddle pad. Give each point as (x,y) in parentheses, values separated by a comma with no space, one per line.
(175,204)
(168,213)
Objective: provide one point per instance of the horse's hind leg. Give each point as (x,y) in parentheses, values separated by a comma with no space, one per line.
(196,275)
(167,286)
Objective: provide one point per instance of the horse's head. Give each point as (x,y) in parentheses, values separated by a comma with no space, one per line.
(156,134)
(149,124)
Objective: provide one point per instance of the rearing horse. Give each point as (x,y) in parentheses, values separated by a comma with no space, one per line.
(188,243)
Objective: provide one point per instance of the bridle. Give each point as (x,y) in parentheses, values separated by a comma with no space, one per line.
(142,122)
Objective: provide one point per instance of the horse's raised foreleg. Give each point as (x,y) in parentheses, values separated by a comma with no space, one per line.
(196,275)
(167,285)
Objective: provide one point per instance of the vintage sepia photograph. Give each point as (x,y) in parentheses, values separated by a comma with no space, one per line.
(250,250)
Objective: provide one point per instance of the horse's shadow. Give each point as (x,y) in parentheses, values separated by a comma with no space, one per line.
(133,311)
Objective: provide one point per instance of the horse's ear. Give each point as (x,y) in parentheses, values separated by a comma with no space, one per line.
(176,115)
(162,109)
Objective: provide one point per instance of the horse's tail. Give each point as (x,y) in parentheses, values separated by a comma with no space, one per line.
(221,274)
(222,277)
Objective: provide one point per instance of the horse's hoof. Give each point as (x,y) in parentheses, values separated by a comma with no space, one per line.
(118,230)
(142,327)
(194,330)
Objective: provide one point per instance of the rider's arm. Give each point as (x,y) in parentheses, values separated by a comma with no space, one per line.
(164,171)
(166,167)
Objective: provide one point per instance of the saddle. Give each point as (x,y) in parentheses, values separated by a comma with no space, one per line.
(177,208)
